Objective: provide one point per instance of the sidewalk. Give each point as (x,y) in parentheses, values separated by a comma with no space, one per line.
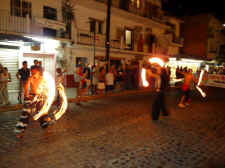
(71,99)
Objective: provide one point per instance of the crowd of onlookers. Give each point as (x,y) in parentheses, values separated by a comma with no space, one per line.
(217,70)
(97,80)
(90,80)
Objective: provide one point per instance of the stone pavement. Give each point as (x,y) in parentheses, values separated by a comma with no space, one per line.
(118,132)
(14,106)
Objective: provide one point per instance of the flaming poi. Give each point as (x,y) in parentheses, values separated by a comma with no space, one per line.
(47,89)
(143,77)
(198,84)
(157,61)
(153,60)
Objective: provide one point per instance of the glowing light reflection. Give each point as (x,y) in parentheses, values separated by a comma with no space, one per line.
(143,77)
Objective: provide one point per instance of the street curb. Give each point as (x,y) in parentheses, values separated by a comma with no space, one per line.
(87,98)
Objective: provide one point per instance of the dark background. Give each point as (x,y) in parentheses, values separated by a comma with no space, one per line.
(182,8)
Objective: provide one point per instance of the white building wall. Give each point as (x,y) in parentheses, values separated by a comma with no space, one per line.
(86,9)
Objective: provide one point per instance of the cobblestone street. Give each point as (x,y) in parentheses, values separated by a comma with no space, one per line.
(118,132)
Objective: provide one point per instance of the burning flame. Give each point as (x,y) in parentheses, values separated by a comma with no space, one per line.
(199,82)
(157,61)
(47,89)
(143,77)
(64,104)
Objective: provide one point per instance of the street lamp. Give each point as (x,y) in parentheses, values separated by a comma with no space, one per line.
(107,42)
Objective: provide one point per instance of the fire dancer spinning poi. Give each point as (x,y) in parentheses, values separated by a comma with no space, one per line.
(161,82)
(39,95)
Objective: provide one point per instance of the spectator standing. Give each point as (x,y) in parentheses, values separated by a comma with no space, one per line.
(22,75)
(87,70)
(1,71)
(101,80)
(59,80)
(4,79)
(94,79)
(36,64)
(120,78)
(109,78)
(79,83)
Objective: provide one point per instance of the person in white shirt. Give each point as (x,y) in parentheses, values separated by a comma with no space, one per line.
(4,79)
(109,78)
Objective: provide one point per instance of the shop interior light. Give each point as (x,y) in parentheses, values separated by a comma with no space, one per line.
(48,45)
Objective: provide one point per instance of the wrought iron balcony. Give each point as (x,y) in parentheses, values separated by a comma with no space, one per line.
(87,38)
(26,25)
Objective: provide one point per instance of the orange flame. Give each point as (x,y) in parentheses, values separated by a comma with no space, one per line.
(47,89)
(64,104)
(143,77)
(157,61)
(199,82)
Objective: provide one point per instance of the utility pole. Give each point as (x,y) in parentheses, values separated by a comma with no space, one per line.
(107,42)
(94,42)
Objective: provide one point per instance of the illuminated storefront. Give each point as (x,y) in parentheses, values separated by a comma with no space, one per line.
(183,62)
(15,49)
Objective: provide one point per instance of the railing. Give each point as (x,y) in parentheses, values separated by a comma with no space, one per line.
(27,25)
(87,38)
(13,24)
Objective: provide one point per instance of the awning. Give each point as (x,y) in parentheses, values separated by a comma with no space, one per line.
(13,37)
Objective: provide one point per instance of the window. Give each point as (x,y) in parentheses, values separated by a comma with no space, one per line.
(100,27)
(136,3)
(49,32)
(20,8)
(124,4)
(129,39)
(50,13)
(96,26)
(92,26)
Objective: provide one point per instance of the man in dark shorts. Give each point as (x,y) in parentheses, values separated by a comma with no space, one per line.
(33,103)
(23,74)
(161,85)
(188,78)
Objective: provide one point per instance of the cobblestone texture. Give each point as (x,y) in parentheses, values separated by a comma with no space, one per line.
(119,133)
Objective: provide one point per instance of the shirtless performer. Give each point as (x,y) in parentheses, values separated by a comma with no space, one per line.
(188,78)
(31,106)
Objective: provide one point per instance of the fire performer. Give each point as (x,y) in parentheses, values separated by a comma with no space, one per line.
(33,102)
(188,78)
(161,85)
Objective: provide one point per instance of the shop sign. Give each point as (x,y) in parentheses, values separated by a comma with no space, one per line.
(216,80)
(36,48)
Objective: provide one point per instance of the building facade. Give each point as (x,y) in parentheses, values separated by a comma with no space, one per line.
(203,36)
(31,29)
(139,30)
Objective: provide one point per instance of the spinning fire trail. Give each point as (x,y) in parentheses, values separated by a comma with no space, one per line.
(160,62)
(199,82)
(153,60)
(48,88)
(39,105)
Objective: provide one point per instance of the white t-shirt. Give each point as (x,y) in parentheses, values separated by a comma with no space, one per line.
(109,78)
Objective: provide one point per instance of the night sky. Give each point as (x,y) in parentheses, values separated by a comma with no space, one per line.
(192,7)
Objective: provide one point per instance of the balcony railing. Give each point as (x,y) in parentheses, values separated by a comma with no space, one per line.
(87,38)
(27,25)
(13,24)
